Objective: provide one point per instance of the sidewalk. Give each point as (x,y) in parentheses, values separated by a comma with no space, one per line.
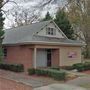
(80,81)
(60,87)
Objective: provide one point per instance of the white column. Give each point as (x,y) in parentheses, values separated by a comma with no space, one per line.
(35,51)
(59,57)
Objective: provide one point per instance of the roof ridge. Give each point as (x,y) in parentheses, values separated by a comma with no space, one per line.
(26,25)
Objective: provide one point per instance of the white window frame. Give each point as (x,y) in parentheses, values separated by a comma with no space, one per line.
(50,31)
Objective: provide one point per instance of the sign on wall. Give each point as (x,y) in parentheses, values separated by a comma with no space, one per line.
(72,54)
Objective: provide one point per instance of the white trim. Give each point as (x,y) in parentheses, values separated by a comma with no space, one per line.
(59,29)
(53,43)
(48,43)
(34,56)
(56,27)
(59,56)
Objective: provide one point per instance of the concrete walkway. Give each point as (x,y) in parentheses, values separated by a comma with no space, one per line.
(60,87)
(80,81)
(75,73)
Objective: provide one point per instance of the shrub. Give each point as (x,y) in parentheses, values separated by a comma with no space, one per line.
(38,72)
(55,68)
(76,65)
(82,66)
(68,67)
(41,72)
(17,67)
(79,66)
(12,67)
(31,71)
(87,65)
(58,75)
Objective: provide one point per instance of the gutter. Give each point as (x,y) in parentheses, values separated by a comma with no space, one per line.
(46,43)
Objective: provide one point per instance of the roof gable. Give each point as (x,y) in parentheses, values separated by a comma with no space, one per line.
(58,32)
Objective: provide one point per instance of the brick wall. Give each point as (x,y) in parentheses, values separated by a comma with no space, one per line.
(20,55)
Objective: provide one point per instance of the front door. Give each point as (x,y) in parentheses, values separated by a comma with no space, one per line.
(41,58)
(49,57)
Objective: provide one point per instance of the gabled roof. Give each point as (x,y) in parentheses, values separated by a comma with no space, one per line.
(27,34)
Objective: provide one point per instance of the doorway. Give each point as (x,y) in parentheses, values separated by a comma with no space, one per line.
(49,55)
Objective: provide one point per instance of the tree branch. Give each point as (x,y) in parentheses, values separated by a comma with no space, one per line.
(7,1)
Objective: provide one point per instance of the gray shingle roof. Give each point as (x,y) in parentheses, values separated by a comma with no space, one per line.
(26,34)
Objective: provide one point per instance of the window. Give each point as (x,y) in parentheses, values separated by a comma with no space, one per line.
(5,52)
(50,31)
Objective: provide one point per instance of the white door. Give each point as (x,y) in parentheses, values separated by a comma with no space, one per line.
(41,60)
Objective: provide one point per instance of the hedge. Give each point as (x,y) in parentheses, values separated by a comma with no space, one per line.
(55,68)
(82,66)
(68,67)
(31,71)
(57,75)
(12,67)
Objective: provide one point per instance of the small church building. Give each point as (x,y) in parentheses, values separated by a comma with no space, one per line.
(41,44)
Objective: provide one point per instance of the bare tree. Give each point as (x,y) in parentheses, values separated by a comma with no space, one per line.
(24,16)
(5,2)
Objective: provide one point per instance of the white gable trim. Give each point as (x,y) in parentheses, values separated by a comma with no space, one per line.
(59,29)
(55,26)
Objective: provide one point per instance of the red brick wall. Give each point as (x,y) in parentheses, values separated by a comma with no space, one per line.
(55,57)
(6,84)
(19,55)
(24,55)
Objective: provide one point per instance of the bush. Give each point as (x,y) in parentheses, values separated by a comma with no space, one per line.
(12,67)
(68,67)
(87,65)
(82,66)
(79,66)
(55,68)
(31,71)
(41,72)
(17,67)
(58,75)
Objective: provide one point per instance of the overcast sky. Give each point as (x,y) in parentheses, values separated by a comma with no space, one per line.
(29,4)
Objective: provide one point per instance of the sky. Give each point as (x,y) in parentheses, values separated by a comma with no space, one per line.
(28,4)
